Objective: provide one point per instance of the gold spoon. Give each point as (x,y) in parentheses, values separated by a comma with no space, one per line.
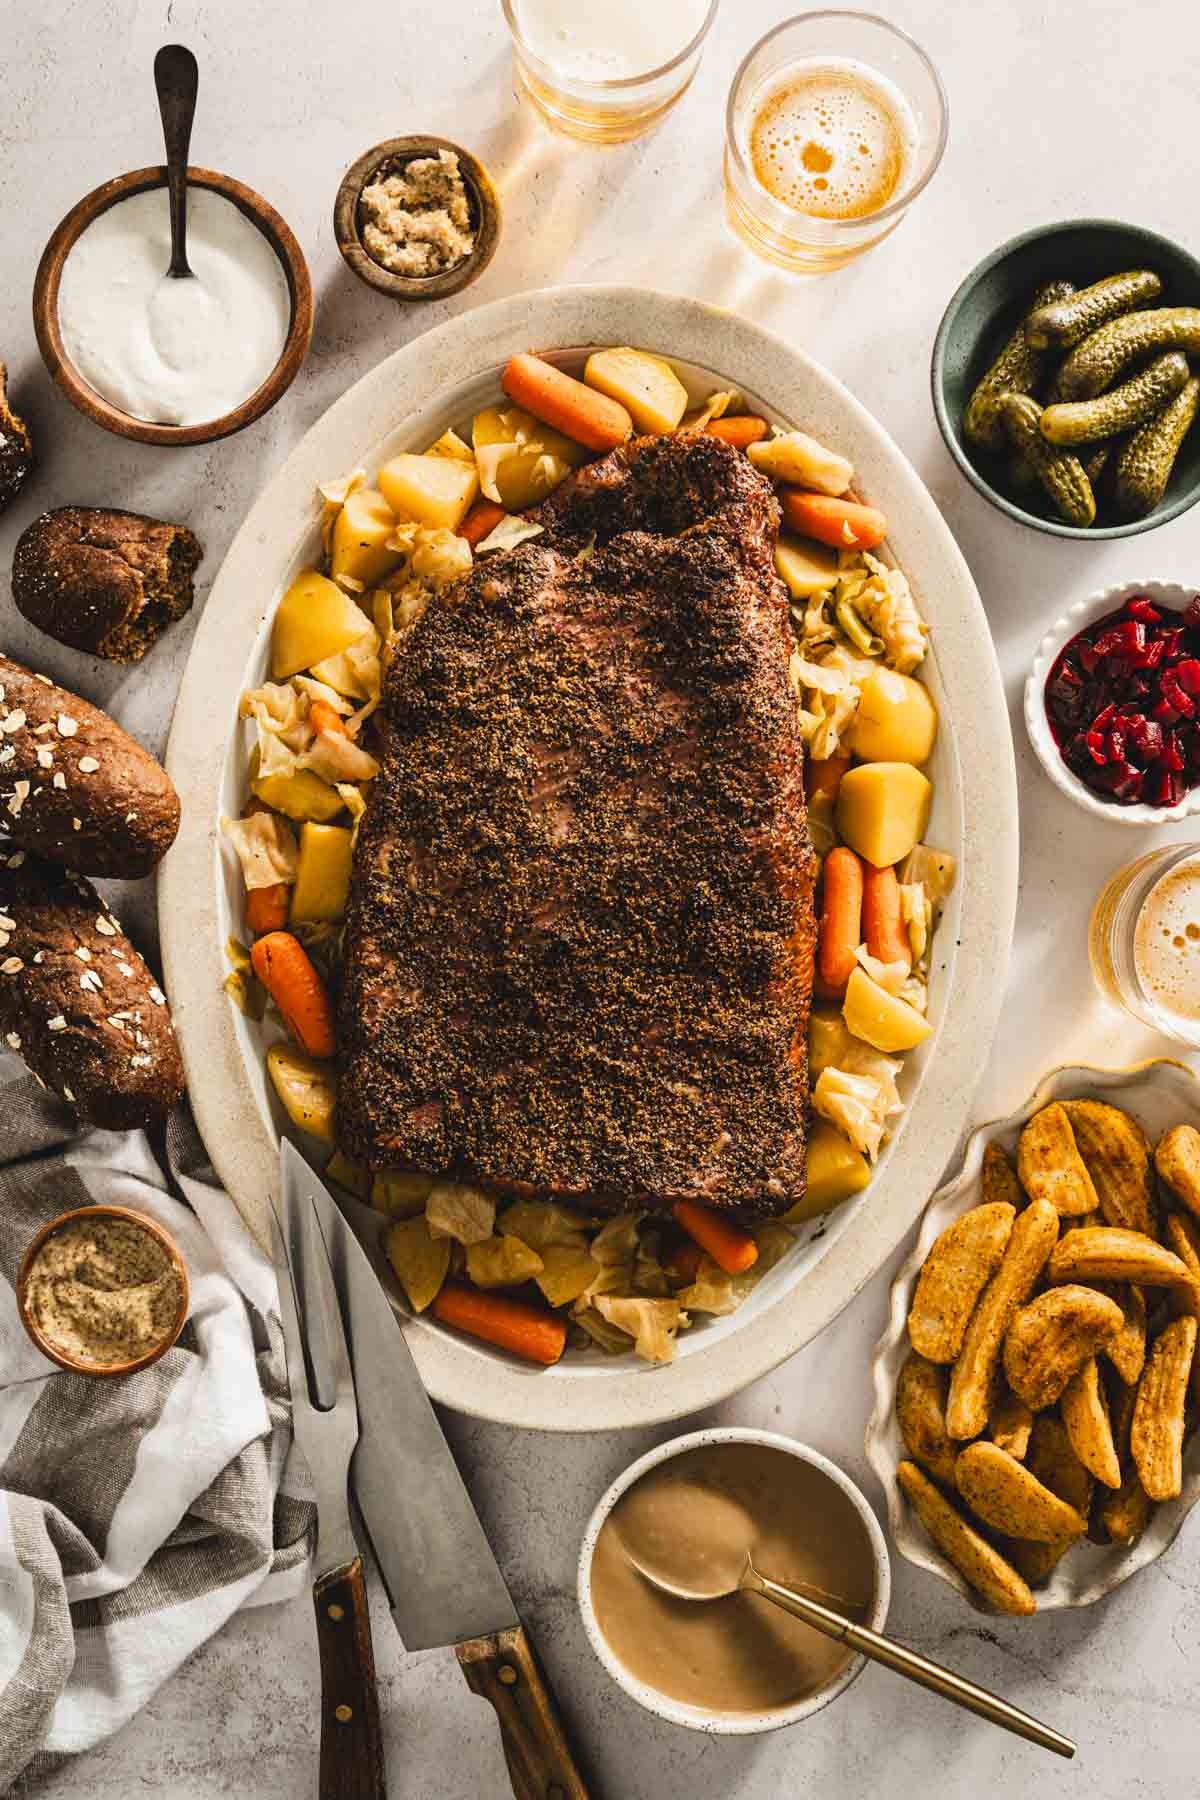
(868,1643)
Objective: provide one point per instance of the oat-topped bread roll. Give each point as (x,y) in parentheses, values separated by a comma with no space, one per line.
(77,1001)
(16,446)
(74,786)
(103,580)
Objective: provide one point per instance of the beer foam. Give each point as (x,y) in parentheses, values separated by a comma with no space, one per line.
(1166,942)
(832,139)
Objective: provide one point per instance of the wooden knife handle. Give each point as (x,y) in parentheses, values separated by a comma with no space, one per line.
(504,1669)
(351,1740)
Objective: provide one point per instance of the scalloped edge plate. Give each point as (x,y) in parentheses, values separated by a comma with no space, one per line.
(408,399)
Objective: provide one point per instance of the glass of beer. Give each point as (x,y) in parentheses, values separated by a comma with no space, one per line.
(1144,941)
(607,70)
(836,122)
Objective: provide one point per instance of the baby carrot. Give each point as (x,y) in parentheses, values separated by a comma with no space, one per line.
(267,908)
(731,1248)
(528,1331)
(569,405)
(323,717)
(742,430)
(840,926)
(824,777)
(283,966)
(845,524)
(883,921)
(483,517)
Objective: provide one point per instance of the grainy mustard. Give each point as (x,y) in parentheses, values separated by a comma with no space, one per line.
(103,1290)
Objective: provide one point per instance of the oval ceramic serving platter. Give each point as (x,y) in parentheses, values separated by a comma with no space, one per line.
(1158,1094)
(405,403)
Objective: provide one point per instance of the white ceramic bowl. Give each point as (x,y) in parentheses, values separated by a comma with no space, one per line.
(405,403)
(1169,594)
(1158,1094)
(729,1724)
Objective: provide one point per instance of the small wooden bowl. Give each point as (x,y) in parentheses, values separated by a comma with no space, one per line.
(82,395)
(79,1365)
(387,159)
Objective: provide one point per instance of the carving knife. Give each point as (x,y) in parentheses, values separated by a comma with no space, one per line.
(443,1582)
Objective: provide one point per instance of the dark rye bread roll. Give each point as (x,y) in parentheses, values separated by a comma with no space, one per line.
(16,447)
(74,786)
(103,580)
(77,1001)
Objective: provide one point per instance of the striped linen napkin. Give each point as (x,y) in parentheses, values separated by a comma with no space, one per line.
(136,1514)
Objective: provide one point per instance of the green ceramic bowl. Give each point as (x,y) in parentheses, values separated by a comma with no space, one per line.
(987,307)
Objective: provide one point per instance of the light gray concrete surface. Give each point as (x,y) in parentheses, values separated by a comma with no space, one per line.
(1056,112)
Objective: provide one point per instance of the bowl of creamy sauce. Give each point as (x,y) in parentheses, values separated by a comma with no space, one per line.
(690,1511)
(103,1290)
(165,360)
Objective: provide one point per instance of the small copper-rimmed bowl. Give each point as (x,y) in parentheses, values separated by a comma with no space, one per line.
(389,158)
(79,1365)
(80,392)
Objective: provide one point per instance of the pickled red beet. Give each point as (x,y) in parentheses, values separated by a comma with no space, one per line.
(1123,703)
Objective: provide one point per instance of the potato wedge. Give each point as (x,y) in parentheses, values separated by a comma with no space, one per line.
(1126,1513)
(323,875)
(972,1382)
(1182,1233)
(1009,1497)
(1127,1351)
(921,1414)
(1050,1166)
(1052,1460)
(982,1567)
(1116,1154)
(1010,1424)
(1177,1159)
(961,1261)
(1156,1434)
(646,386)
(1050,1340)
(998,1179)
(1084,1409)
(1111,1253)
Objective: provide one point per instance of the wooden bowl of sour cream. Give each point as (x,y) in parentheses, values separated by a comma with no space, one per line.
(279,331)
(103,1290)
(721,1666)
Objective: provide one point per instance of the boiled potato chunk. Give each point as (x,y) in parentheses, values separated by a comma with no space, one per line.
(896,719)
(360,534)
(828,1040)
(314,620)
(299,796)
(882,810)
(805,569)
(400,1194)
(433,490)
(836,1172)
(646,386)
(421,1262)
(306,1088)
(880,1018)
(323,875)
(527,476)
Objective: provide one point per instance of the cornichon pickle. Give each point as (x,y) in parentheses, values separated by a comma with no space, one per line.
(1064,323)
(1060,474)
(1084,421)
(1017,370)
(1095,462)
(1145,463)
(1095,364)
